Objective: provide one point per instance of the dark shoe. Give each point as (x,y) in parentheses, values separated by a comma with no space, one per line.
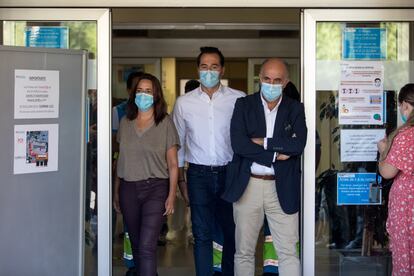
(331,245)
(354,244)
(216,273)
(131,272)
(161,241)
(270,274)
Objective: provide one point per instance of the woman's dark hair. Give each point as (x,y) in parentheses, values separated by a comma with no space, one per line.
(210,50)
(160,106)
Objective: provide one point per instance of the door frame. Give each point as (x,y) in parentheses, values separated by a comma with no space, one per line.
(102,17)
(309,19)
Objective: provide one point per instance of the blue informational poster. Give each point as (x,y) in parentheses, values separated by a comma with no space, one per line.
(364,43)
(358,189)
(47,37)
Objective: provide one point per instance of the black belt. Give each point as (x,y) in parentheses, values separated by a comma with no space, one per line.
(207,168)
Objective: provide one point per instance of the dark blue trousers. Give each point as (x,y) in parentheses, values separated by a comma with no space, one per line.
(205,187)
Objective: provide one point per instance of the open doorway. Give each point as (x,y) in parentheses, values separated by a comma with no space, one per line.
(165,43)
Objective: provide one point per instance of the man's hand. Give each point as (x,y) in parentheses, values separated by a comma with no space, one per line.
(115,198)
(116,203)
(182,185)
(282,157)
(258,141)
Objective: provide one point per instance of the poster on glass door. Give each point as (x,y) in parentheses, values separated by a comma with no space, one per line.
(358,189)
(360,145)
(47,36)
(364,43)
(35,148)
(360,94)
(36,94)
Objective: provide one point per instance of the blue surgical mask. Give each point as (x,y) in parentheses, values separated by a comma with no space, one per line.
(209,78)
(403,118)
(144,101)
(271,92)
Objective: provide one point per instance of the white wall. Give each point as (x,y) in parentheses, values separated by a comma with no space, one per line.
(142,47)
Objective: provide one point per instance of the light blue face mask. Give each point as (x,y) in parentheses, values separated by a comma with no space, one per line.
(144,101)
(271,92)
(209,78)
(403,118)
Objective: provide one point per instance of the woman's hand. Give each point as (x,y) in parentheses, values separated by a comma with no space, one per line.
(382,144)
(169,205)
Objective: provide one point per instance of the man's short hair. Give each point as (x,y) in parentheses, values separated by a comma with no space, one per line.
(131,78)
(210,50)
(191,85)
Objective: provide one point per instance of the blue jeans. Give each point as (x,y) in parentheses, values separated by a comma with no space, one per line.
(205,187)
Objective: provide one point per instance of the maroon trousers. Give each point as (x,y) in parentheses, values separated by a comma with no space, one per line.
(143,204)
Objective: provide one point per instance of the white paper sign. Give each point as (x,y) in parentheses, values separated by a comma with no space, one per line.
(360,145)
(361,96)
(35,148)
(36,94)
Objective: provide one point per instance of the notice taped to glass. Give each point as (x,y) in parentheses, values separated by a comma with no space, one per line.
(360,145)
(36,94)
(361,96)
(358,189)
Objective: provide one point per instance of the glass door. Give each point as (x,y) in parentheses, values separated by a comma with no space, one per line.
(355,62)
(84,29)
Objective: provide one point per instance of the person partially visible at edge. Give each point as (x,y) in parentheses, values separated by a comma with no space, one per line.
(148,170)
(268,135)
(191,85)
(202,118)
(118,112)
(397,161)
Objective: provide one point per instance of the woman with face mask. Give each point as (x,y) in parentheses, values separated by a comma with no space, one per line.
(397,160)
(148,170)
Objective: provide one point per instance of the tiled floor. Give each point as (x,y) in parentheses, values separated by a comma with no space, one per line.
(176,259)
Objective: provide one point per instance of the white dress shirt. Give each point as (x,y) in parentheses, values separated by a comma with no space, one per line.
(203,125)
(270,117)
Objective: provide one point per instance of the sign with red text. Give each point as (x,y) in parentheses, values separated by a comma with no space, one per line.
(36,94)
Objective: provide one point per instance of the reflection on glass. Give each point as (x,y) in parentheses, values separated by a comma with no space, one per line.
(351,237)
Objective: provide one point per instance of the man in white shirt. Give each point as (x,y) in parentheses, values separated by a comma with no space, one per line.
(202,118)
(268,135)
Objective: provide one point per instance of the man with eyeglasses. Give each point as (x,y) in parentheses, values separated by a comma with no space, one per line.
(202,118)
